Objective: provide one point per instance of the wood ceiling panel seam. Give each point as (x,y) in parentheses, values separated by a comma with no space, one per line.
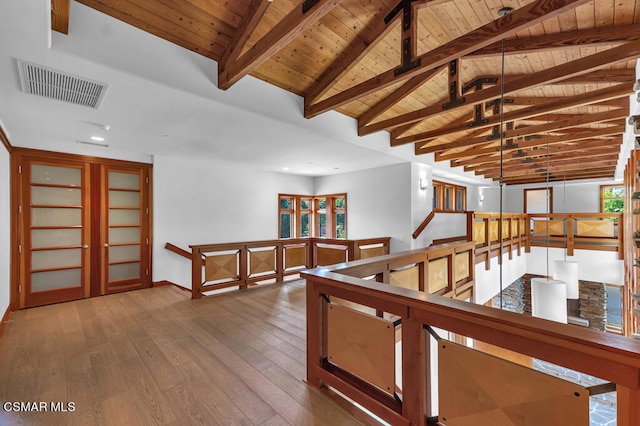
(144,26)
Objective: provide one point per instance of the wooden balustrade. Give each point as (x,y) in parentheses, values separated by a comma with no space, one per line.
(330,358)
(217,266)
(489,236)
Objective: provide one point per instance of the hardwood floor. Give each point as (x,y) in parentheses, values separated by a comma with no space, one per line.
(156,357)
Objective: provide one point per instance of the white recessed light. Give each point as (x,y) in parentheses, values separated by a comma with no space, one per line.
(97,138)
(285,168)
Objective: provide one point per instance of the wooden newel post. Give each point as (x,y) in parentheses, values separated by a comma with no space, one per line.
(196,273)
(628,406)
(414,371)
(314,334)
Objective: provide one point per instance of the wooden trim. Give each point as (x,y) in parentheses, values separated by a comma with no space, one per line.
(52,155)
(166,282)
(423,225)
(60,15)
(5,140)
(5,320)
(440,241)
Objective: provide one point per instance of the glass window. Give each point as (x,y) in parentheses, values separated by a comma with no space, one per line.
(285,225)
(612,199)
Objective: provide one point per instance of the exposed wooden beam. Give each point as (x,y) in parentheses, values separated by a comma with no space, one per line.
(494,156)
(555,170)
(402,92)
(555,156)
(579,66)
(295,23)
(561,41)
(528,130)
(247,26)
(586,161)
(473,152)
(605,174)
(60,15)
(526,16)
(570,102)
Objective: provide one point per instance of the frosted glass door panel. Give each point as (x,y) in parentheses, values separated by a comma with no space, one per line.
(52,280)
(54,259)
(52,196)
(56,217)
(44,238)
(124,253)
(124,180)
(124,235)
(124,217)
(124,199)
(124,271)
(54,175)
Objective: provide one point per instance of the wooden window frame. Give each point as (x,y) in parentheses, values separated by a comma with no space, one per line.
(314,212)
(439,200)
(602,197)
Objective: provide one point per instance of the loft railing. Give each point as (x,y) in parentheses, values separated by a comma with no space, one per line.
(218,266)
(354,352)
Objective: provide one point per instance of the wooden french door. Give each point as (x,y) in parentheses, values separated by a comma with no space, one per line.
(83,227)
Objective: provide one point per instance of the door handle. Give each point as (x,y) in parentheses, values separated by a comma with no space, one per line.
(86,246)
(106,245)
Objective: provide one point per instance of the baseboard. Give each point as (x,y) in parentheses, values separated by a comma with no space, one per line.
(5,319)
(165,282)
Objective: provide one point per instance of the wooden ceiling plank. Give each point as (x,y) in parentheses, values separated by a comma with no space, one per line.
(248,24)
(472,152)
(559,170)
(577,67)
(531,130)
(564,40)
(357,50)
(405,90)
(486,168)
(579,100)
(492,32)
(603,175)
(60,15)
(295,23)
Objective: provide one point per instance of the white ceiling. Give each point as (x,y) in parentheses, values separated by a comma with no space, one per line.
(163,100)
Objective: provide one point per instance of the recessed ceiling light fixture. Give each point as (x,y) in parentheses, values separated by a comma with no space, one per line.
(285,168)
(97,138)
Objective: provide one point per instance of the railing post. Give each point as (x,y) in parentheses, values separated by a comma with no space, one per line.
(196,273)
(315,319)
(414,372)
(280,262)
(628,407)
(570,235)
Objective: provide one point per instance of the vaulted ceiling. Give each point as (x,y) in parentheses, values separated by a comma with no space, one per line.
(431,72)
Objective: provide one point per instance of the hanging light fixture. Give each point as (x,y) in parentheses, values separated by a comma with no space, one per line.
(565,270)
(548,296)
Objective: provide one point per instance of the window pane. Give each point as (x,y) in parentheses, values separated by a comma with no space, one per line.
(56,217)
(51,280)
(124,180)
(124,199)
(285,203)
(124,271)
(44,195)
(285,225)
(124,235)
(124,217)
(459,199)
(614,206)
(41,238)
(305,204)
(52,259)
(322,204)
(124,253)
(340,225)
(56,175)
(447,199)
(322,225)
(614,306)
(339,203)
(305,226)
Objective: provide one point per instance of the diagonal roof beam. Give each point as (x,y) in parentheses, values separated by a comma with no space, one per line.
(294,24)
(530,130)
(399,94)
(472,152)
(584,65)
(581,38)
(570,148)
(247,26)
(569,102)
(523,18)
(60,15)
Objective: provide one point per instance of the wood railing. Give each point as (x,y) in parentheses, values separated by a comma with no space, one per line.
(341,339)
(485,230)
(217,266)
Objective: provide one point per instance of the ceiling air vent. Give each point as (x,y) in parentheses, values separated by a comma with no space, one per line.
(43,81)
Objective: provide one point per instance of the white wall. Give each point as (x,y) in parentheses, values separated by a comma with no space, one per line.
(487,283)
(199,201)
(599,266)
(5,227)
(378,202)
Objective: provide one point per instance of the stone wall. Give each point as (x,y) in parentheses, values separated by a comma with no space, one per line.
(591,306)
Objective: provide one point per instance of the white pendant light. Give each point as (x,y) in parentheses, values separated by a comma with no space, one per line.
(568,272)
(548,299)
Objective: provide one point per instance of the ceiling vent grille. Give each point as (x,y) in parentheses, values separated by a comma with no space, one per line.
(43,81)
